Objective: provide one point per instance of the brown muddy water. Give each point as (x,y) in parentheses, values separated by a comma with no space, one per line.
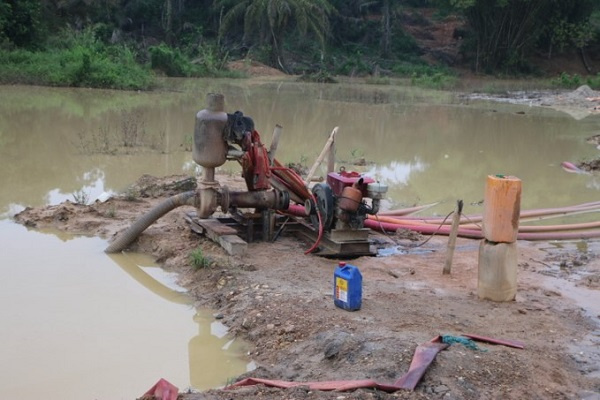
(80,324)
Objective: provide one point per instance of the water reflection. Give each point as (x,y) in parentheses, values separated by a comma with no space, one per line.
(214,357)
(92,187)
(72,314)
(161,283)
(396,173)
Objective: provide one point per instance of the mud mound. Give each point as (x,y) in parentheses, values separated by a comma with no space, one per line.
(254,68)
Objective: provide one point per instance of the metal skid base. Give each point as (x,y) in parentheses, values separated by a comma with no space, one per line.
(233,233)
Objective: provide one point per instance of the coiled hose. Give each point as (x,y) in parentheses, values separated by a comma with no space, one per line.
(140,225)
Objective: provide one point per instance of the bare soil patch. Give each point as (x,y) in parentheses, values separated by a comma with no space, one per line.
(280,300)
(254,68)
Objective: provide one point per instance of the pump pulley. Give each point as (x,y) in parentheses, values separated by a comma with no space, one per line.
(324,206)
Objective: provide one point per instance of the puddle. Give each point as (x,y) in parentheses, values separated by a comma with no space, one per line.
(110,327)
(585,352)
(565,269)
(390,251)
(417,250)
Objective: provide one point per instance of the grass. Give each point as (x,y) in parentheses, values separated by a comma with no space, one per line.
(131,194)
(198,259)
(80,65)
(568,81)
(318,77)
(130,135)
(111,212)
(378,80)
(81,197)
(439,81)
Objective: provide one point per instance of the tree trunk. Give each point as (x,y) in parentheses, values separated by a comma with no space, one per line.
(277,51)
(168,21)
(586,64)
(386,30)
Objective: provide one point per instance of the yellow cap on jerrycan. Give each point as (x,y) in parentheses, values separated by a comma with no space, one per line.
(347,287)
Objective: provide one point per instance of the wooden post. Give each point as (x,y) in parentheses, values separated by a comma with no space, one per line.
(274,142)
(331,157)
(452,237)
(498,253)
(321,156)
(501,208)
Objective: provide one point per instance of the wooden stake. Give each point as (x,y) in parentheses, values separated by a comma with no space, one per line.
(331,158)
(321,156)
(274,142)
(452,237)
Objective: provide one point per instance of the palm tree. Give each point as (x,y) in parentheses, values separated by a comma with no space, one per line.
(272,20)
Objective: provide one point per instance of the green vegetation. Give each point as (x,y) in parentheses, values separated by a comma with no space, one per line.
(271,21)
(126,44)
(502,34)
(198,259)
(437,80)
(568,81)
(78,59)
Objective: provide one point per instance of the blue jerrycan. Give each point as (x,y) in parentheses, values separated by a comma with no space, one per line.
(347,287)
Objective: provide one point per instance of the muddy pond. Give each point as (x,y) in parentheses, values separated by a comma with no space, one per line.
(77,321)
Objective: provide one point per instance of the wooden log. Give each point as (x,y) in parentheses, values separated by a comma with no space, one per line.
(321,156)
(331,157)
(502,206)
(497,279)
(274,143)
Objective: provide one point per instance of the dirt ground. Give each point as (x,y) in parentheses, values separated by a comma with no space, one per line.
(280,300)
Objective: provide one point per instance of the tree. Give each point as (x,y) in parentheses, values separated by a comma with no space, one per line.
(21,22)
(272,20)
(505,32)
(386,29)
(5,11)
(569,26)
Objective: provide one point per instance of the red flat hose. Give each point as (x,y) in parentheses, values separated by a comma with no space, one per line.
(431,229)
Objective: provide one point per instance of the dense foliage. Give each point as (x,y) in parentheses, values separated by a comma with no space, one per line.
(503,33)
(124,43)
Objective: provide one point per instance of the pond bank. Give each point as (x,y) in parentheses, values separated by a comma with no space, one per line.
(279,299)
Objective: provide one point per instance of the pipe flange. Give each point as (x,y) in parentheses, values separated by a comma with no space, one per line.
(283,199)
(225,199)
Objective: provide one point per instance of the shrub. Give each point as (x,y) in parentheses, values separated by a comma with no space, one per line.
(76,60)
(170,61)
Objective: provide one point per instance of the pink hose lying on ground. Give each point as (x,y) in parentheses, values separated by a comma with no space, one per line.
(424,355)
(430,229)
(477,234)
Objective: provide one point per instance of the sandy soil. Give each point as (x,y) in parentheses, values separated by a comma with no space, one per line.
(280,300)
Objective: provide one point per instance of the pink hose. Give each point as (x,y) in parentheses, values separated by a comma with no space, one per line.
(466,233)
